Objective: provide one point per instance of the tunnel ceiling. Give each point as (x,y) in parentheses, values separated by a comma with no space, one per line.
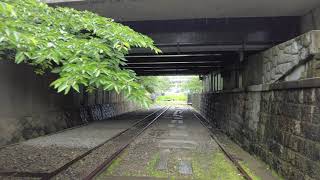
(200,36)
(183,64)
(137,10)
(199,46)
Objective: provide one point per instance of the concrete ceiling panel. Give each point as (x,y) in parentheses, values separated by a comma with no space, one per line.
(138,10)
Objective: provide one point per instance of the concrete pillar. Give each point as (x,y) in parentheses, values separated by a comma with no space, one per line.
(310,21)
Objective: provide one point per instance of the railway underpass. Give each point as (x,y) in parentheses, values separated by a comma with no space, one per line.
(257,117)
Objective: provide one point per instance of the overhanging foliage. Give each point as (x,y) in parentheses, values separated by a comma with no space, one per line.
(83,48)
(155,84)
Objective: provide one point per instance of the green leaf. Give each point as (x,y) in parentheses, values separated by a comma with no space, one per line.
(82,48)
(98,73)
(19,57)
(76,87)
(62,87)
(129,90)
(145,104)
(67,90)
(56,70)
(117,89)
(1,39)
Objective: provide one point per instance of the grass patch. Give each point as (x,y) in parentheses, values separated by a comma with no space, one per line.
(268,167)
(275,174)
(111,169)
(172,97)
(170,103)
(247,169)
(151,167)
(218,167)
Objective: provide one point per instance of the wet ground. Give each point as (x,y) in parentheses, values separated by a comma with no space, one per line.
(177,146)
(49,153)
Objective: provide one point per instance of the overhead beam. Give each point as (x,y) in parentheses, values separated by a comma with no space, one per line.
(177,67)
(219,57)
(164,73)
(174,48)
(221,34)
(173,55)
(173,64)
(172,71)
(198,70)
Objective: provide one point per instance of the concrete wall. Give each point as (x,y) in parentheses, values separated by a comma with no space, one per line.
(311,20)
(30,108)
(101,105)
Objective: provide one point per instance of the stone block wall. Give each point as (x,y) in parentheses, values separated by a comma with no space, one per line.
(281,126)
(30,108)
(275,112)
(289,132)
(290,58)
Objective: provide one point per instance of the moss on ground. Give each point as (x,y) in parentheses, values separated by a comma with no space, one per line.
(218,167)
(268,167)
(214,166)
(205,166)
(275,174)
(247,169)
(151,167)
(114,165)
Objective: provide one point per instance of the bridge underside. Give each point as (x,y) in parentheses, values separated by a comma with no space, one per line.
(200,37)
(203,45)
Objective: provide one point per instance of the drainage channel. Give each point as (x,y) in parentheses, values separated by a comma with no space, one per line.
(115,155)
(66,168)
(208,126)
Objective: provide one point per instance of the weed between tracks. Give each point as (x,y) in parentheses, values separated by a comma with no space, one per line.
(218,167)
(206,165)
(151,167)
(114,165)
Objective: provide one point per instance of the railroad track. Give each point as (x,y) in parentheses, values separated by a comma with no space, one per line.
(137,127)
(208,126)
(97,171)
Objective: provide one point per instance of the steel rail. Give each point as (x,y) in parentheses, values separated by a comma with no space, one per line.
(49,175)
(103,166)
(228,155)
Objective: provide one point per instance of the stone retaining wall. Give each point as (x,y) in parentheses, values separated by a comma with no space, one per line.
(280,124)
(291,59)
(276,113)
